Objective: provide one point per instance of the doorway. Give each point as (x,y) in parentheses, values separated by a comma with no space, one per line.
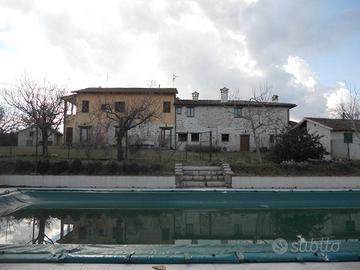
(244,143)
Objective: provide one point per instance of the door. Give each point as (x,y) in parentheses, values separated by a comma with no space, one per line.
(69,135)
(244,142)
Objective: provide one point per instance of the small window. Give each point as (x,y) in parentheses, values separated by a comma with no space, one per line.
(237,112)
(120,106)
(224,137)
(195,137)
(105,108)
(178,110)
(85,106)
(31,133)
(182,137)
(272,138)
(190,111)
(348,137)
(166,107)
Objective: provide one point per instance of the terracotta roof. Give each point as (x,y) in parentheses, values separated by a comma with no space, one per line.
(205,102)
(127,90)
(337,124)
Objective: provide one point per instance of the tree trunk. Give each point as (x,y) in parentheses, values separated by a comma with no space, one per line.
(120,148)
(41,235)
(45,136)
(257,143)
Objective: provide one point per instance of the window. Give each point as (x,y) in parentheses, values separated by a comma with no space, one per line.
(237,112)
(348,137)
(166,107)
(195,137)
(189,228)
(105,108)
(31,133)
(178,110)
(238,229)
(165,234)
(82,233)
(120,106)
(350,225)
(85,106)
(117,129)
(224,137)
(190,111)
(182,137)
(272,138)
(84,134)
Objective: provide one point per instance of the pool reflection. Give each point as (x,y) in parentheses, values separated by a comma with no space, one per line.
(181,226)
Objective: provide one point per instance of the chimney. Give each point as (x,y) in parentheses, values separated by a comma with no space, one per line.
(224,94)
(275,98)
(195,95)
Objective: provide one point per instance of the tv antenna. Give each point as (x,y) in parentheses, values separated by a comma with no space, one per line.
(173,79)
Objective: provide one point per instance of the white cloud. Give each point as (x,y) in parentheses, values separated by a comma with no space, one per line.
(340,94)
(301,72)
(208,44)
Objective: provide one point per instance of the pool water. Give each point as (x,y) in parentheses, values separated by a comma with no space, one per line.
(176,226)
(173,226)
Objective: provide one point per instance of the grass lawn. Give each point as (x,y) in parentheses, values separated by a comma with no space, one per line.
(242,163)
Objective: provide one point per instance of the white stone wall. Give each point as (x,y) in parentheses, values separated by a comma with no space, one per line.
(24,138)
(340,149)
(314,128)
(221,120)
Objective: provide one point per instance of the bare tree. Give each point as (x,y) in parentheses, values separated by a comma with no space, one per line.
(7,123)
(130,115)
(258,115)
(37,104)
(349,108)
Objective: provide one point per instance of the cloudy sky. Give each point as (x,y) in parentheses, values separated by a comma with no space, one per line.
(306,50)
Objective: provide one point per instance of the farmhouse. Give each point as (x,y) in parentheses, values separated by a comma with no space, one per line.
(338,136)
(27,137)
(225,121)
(85,120)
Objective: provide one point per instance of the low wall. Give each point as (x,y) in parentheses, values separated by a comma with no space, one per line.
(292,182)
(87,181)
(244,182)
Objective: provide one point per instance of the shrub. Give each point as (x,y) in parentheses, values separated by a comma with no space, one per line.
(59,167)
(298,145)
(43,166)
(76,166)
(112,167)
(24,166)
(203,149)
(93,167)
(131,168)
(7,166)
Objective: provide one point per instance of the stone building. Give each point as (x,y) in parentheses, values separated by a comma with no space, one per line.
(86,122)
(224,119)
(27,137)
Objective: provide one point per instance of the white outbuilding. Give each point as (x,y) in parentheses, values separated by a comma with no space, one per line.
(339,136)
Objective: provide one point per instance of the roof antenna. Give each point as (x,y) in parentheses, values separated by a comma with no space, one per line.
(173,79)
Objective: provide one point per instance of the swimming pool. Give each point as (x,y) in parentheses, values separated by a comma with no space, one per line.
(178,226)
